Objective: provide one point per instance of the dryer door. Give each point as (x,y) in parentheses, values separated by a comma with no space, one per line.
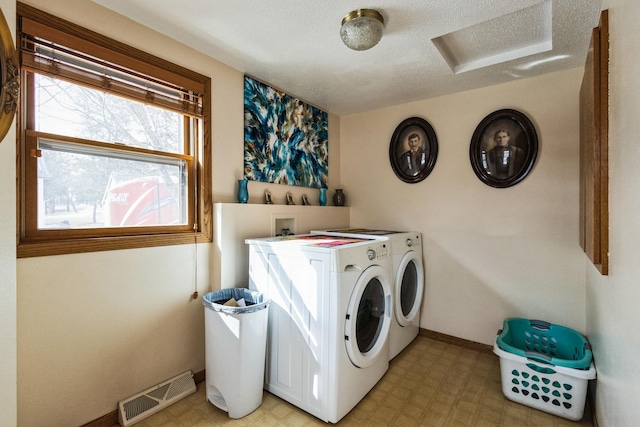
(408,289)
(368,318)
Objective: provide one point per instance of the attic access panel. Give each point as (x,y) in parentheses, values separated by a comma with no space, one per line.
(498,40)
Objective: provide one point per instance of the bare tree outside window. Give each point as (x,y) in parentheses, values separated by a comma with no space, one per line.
(75,185)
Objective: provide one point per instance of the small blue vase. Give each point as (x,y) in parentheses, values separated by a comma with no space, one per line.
(243,194)
(322,199)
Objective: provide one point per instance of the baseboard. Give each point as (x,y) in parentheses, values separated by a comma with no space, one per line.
(460,342)
(591,401)
(108,420)
(199,377)
(111,419)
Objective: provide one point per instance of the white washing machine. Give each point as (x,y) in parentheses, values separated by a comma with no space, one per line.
(329,318)
(407,278)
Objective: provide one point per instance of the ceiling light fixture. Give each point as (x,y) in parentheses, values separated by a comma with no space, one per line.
(362,29)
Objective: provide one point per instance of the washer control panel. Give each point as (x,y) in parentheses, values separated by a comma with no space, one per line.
(412,241)
(378,252)
(371,253)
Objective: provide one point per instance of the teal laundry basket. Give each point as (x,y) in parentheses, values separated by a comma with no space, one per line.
(545,342)
(544,366)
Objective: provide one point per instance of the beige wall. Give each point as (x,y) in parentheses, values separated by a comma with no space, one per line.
(489,253)
(8,393)
(96,328)
(612,302)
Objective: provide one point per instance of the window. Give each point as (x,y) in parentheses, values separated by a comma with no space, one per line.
(113,144)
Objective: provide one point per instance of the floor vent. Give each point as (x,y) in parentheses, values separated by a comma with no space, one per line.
(147,403)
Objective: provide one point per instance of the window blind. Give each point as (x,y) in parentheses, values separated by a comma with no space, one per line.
(48,51)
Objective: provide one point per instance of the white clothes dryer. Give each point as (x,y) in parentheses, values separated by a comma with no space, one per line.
(329,318)
(407,278)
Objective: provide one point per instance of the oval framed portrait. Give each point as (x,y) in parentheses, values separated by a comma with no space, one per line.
(413,150)
(503,148)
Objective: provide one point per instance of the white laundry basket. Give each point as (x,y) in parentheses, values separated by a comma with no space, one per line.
(545,366)
(554,389)
(235,346)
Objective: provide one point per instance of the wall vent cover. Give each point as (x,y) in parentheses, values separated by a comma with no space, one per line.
(148,402)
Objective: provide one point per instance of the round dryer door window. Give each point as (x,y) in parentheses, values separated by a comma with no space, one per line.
(368,316)
(409,288)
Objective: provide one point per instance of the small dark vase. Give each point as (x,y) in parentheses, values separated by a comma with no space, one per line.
(338,197)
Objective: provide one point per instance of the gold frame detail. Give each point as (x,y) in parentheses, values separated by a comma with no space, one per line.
(9,78)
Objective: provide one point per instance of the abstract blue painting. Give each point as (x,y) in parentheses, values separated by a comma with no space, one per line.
(285,140)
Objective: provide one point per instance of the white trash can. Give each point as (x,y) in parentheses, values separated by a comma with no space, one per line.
(235,346)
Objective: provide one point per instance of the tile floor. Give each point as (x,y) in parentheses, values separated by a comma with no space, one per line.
(430,383)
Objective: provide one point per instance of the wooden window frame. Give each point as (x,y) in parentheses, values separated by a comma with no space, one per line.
(30,244)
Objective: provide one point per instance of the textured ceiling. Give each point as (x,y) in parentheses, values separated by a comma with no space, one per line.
(429,48)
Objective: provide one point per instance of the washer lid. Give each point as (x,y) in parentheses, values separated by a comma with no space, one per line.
(408,288)
(368,318)
(366,231)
